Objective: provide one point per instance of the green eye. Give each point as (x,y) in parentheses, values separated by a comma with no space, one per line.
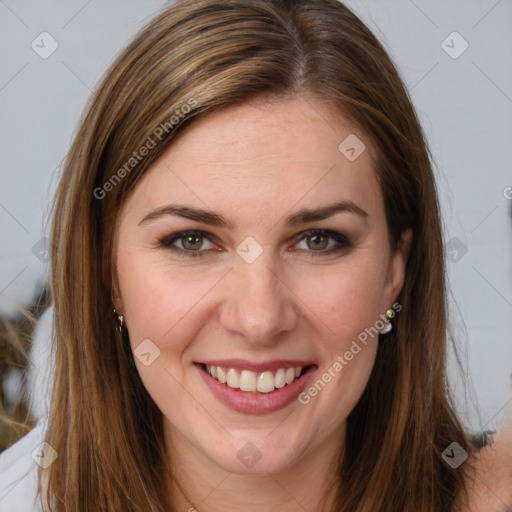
(188,241)
(317,240)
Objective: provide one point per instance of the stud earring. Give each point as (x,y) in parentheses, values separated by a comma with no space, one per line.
(388,326)
(120,321)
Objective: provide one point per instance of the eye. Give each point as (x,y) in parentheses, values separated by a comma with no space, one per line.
(318,239)
(192,242)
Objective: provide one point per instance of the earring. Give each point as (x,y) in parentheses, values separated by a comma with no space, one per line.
(388,325)
(120,321)
(387,328)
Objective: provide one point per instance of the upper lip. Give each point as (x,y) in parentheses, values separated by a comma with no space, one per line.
(244,364)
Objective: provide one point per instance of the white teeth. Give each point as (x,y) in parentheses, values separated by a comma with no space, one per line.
(280,378)
(221,376)
(246,380)
(265,382)
(233,379)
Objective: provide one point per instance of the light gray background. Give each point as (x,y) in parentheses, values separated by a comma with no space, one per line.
(465,105)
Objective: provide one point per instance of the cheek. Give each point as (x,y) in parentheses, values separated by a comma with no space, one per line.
(159,298)
(349,307)
(156,297)
(346,300)
(158,303)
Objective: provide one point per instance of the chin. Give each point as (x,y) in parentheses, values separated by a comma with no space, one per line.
(268,463)
(255,455)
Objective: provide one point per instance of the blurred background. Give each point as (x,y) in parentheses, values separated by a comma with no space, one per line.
(455,58)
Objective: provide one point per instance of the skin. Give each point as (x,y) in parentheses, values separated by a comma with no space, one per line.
(256,164)
(490,482)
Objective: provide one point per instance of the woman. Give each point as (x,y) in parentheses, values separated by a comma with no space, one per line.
(248,278)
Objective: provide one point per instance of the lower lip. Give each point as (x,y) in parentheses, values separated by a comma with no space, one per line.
(248,402)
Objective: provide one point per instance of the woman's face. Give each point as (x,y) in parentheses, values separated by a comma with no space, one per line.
(252,290)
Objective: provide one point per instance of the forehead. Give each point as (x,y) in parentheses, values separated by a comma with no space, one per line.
(257,158)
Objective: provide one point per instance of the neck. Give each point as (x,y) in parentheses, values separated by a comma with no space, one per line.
(200,485)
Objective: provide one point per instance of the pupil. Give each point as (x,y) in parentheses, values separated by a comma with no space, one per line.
(316,237)
(188,238)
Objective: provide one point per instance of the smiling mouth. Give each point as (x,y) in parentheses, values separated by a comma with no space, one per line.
(247,381)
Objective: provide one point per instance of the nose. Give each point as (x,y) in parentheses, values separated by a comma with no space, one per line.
(259,307)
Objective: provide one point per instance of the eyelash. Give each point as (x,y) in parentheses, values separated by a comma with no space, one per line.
(167,241)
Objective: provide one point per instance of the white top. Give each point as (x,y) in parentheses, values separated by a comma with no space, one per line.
(18,471)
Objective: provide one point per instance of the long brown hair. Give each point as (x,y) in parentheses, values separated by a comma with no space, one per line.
(194,58)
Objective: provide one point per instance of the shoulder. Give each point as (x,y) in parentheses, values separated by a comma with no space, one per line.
(18,472)
(490,478)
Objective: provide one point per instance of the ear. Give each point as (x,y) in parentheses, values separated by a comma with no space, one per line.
(396,270)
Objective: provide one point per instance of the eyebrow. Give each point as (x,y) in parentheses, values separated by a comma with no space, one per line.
(215,219)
